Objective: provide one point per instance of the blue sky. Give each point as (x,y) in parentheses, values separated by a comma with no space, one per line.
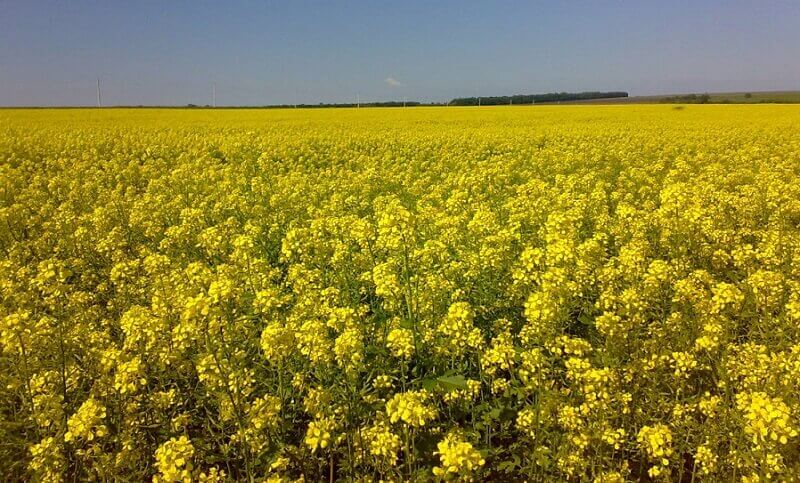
(264,52)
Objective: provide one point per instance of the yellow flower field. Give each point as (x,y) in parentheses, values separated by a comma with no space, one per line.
(581,293)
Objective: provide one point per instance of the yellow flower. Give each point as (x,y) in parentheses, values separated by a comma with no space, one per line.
(87,422)
(400,343)
(129,376)
(410,407)
(174,461)
(318,434)
(656,441)
(457,458)
(767,420)
(47,461)
(383,444)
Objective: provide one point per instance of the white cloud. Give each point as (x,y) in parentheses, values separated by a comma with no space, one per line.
(393,82)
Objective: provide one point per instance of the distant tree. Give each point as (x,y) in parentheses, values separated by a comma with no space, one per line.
(534,98)
(748,95)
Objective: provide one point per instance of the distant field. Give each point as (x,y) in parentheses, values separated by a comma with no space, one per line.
(715,98)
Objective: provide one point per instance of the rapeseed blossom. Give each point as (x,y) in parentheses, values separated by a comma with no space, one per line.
(87,423)
(174,460)
(412,408)
(318,434)
(656,441)
(494,294)
(458,458)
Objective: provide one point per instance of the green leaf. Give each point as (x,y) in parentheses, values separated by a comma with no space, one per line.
(429,385)
(452,383)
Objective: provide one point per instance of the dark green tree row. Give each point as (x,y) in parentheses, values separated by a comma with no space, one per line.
(322,105)
(687,99)
(534,98)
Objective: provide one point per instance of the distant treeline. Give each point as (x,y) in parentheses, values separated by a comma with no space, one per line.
(321,105)
(747,98)
(686,99)
(535,98)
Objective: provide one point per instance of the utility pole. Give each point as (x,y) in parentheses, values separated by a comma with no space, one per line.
(99,102)
(479,101)
(358,100)
(214,95)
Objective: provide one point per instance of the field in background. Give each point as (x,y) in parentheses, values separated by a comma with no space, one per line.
(585,293)
(772,97)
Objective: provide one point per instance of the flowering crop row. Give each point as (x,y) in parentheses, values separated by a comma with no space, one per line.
(552,293)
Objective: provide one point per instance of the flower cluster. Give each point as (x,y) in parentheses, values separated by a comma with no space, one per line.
(458,458)
(412,408)
(87,423)
(383,444)
(318,434)
(766,419)
(174,460)
(401,343)
(656,441)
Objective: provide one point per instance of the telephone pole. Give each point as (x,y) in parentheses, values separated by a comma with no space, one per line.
(214,95)
(99,102)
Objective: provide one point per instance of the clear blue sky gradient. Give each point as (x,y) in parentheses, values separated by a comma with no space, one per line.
(264,52)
